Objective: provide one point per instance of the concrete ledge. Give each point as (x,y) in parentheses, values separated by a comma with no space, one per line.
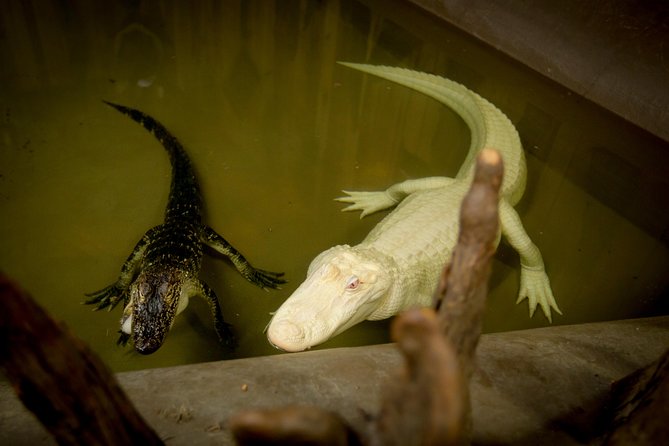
(615,53)
(528,387)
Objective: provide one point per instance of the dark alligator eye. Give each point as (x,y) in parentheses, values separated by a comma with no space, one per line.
(162,288)
(145,289)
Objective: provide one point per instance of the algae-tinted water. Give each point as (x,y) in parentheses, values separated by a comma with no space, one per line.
(275,130)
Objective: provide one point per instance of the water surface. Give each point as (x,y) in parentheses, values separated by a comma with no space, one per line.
(275,129)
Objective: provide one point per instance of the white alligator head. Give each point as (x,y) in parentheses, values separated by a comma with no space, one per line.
(343,287)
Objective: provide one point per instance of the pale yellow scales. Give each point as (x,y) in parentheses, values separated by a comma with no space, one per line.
(397,265)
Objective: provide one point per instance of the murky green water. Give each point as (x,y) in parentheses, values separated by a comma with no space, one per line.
(275,130)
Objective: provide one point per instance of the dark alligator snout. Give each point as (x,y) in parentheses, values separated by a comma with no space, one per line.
(149,339)
(151,321)
(147,348)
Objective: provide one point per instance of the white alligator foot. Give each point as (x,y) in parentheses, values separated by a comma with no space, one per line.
(367,202)
(536,288)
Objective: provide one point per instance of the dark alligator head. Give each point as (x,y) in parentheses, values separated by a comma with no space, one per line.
(154,301)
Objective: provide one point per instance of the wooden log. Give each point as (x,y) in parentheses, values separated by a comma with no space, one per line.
(61,380)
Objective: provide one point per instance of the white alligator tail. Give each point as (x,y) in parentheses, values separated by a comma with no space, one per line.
(490,128)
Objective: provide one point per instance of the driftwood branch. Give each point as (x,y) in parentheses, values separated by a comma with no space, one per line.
(295,425)
(463,286)
(427,403)
(61,380)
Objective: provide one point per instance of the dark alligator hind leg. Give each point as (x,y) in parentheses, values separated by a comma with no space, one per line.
(263,279)
(223,329)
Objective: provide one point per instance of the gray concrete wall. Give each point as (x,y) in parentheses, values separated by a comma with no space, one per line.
(532,386)
(613,52)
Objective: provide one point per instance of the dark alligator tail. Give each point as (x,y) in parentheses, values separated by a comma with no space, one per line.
(184,192)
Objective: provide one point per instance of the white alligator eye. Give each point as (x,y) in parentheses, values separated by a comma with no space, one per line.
(352,283)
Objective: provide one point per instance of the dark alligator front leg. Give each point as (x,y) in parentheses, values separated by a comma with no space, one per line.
(263,279)
(223,329)
(110,296)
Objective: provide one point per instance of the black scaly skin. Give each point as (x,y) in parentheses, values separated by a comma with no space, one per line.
(164,266)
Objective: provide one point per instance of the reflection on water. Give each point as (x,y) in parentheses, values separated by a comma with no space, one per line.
(275,130)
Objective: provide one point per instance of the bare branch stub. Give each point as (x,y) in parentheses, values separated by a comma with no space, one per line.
(428,403)
(293,425)
(61,380)
(424,404)
(463,287)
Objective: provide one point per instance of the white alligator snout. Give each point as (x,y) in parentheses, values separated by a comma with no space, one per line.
(287,336)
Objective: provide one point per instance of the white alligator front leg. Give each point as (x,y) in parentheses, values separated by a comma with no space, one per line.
(534,283)
(371,202)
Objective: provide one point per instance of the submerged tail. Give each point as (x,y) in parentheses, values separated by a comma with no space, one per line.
(490,128)
(184,198)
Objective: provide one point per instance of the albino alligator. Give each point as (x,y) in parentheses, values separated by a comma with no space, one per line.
(161,273)
(397,265)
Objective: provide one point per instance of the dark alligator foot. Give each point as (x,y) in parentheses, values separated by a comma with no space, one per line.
(266,279)
(226,334)
(107,297)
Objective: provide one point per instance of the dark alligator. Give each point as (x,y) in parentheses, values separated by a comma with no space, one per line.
(161,274)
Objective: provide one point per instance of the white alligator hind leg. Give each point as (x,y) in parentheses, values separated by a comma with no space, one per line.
(371,202)
(534,283)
